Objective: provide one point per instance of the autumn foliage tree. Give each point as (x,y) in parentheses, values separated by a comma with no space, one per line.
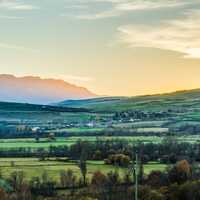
(181,172)
(3,195)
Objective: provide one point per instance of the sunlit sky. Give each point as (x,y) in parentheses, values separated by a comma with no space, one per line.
(112,47)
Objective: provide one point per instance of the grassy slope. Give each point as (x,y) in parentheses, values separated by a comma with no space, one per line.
(188,102)
(181,99)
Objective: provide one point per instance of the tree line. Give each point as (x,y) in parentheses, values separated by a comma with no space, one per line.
(169,151)
(179,182)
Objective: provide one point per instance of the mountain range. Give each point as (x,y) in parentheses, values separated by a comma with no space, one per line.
(33,89)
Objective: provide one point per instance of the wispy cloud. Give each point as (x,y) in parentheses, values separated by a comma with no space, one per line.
(22,7)
(16,5)
(79,7)
(146,5)
(101,15)
(119,7)
(180,35)
(18,48)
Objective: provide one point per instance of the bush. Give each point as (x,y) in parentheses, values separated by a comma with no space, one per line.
(118,159)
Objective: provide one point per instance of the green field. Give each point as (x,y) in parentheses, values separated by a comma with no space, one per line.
(44,143)
(77,130)
(32,167)
(61,141)
(141,124)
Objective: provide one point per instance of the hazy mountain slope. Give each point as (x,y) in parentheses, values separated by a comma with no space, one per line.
(40,91)
(189,99)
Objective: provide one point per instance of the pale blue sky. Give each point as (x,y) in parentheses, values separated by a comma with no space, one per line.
(114,47)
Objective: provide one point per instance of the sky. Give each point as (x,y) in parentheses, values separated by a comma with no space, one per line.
(112,47)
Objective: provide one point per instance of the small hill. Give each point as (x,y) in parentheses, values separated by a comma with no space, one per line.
(30,89)
(91,102)
(188,99)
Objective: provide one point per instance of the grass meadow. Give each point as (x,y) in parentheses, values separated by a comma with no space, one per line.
(32,167)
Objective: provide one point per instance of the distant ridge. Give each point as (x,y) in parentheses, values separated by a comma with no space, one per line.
(33,89)
(183,99)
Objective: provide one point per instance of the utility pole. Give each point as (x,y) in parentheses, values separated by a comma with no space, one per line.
(136,176)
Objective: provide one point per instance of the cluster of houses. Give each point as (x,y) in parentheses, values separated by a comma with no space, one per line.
(34,126)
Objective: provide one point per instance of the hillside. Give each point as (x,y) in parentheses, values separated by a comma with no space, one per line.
(189,99)
(36,90)
(24,107)
(23,111)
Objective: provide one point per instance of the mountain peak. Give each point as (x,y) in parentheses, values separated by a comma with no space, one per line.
(34,89)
